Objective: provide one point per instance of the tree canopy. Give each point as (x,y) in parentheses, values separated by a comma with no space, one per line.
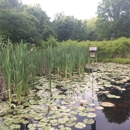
(113,19)
(22,22)
(31,24)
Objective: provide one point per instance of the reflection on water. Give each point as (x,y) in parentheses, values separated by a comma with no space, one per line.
(121,112)
(103,124)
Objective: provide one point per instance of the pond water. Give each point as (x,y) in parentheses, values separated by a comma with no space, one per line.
(102,98)
(115,118)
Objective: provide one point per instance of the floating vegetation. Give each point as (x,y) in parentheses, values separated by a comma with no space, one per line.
(70,101)
(80,125)
(99,107)
(88,121)
(91,115)
(107,104)
(112,96)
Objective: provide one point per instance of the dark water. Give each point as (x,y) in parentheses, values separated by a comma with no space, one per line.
(103,124)
(115,118)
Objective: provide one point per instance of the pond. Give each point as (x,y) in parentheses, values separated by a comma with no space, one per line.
(98,101)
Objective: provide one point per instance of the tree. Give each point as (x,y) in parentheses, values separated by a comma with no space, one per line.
(91,29)
(68,27)
(113,19)
(9,19)
(64,27)
(79,31)
(22,22)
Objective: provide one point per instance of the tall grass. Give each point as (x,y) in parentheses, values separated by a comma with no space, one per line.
(50,67)
(20,69)
(16,69)
(20,63)
(70,57)
(6,68)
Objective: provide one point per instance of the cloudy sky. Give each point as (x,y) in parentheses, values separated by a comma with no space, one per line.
(81,9)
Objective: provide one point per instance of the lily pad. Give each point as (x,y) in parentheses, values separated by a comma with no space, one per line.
(91,104)
(91,115)
(107,104)
(70,123)
(80,125)
(88,121)
(61,121)
(82,114)
(99,107)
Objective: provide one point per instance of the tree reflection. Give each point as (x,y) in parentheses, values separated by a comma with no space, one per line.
(93,126)
(121,112)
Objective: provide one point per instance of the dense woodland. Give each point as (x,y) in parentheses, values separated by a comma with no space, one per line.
(31,24)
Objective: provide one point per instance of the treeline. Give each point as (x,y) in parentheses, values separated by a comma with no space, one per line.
(32,25)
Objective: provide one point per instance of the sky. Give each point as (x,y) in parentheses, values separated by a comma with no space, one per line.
(80,9)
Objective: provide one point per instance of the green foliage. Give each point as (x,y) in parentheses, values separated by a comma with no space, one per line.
(121,60)
(108,50)
(20,63)
(6,68)
(70,56)
(68,27)
(32,25)
(15,69)
(51,41)
(91,29)
(113,19)
(28,22)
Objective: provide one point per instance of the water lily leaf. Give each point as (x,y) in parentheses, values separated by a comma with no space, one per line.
(26,104)
(53,121)
(41,125)
(17,121)
(45,120)
(66,110)
(123,89)
(38,118)
(107,104)
(111,96)
(82,114)
(105,92)
(61,126)
(73,118)
(80,125)
(81,108)
(91,115)
(3,127)
(30,126)
(88,121)
(90,109)
(62,121)
(118,97)
(99,107)
(73,112)
(91,104)
(70,123)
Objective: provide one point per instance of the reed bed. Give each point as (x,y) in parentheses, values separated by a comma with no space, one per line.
(69,58)
(21,63)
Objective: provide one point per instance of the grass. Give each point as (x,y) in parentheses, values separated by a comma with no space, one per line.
(21,63)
